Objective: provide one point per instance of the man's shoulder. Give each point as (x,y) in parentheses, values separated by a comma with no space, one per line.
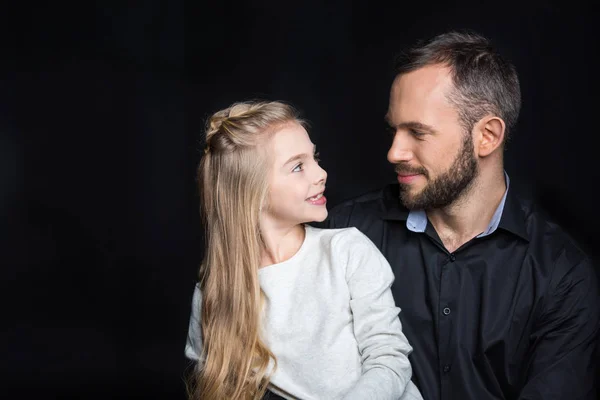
(547,235)
(367,198)
(374,204)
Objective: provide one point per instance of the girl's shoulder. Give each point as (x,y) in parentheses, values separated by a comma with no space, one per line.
(339,237)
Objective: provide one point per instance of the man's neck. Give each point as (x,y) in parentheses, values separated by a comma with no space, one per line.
(470,214)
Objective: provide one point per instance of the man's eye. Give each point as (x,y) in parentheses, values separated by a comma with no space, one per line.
(416,133)
(390,130)
(297,168)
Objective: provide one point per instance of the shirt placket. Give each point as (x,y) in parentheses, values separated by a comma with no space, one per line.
(446,314)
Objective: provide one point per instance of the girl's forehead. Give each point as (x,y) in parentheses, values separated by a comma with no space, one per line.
(292,137)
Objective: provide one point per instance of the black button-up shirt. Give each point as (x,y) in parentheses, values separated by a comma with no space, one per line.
(510,315)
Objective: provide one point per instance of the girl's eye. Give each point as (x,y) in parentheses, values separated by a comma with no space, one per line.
(297,168)
(317,159)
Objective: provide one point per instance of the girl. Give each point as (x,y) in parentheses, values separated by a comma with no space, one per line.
(304,312)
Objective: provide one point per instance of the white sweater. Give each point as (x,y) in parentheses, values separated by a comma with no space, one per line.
(331,321)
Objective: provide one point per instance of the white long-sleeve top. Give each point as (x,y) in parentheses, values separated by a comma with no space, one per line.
(331,321)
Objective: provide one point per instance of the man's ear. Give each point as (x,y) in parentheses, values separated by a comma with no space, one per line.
(488,135)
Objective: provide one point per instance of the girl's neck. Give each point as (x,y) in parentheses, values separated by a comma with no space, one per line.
(281,243)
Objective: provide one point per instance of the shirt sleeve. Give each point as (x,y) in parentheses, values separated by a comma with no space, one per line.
(562,362)
(193,346)
(386,370)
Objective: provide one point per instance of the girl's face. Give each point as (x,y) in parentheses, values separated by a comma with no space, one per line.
(296,181)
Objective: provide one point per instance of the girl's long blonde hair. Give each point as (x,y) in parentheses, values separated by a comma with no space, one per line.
(232,177)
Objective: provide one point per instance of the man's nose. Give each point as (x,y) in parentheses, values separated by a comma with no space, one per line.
(400,150)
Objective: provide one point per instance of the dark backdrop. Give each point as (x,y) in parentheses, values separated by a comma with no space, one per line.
(101,114)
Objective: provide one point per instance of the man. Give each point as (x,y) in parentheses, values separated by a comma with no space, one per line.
(497,301)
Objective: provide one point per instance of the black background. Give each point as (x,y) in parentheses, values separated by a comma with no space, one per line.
(101,115)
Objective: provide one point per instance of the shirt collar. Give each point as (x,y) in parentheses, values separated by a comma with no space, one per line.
(508,215)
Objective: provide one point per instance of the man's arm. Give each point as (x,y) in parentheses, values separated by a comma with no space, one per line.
(562,360)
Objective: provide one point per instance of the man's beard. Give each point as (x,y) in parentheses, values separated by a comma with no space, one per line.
(446,188)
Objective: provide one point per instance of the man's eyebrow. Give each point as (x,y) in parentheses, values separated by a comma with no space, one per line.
(299,156)
(416,126)
(411,125)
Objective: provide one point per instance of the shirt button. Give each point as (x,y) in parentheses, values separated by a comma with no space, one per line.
(452,257)
(446,311)
(446,368)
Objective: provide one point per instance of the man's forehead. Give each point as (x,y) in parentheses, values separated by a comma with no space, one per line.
(423,81)
(412,93)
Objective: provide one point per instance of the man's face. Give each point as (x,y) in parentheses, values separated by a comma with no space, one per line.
(433,155)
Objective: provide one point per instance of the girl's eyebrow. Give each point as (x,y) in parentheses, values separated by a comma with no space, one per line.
(299,156)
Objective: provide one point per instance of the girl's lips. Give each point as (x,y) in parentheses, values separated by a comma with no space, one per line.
(317,200)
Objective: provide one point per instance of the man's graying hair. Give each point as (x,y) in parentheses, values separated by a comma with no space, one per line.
(484,82)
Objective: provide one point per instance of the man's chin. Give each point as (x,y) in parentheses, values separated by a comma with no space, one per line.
(408,203)
(408,199)
(410,206)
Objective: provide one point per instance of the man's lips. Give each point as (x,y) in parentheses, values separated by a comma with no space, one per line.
(406,178)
